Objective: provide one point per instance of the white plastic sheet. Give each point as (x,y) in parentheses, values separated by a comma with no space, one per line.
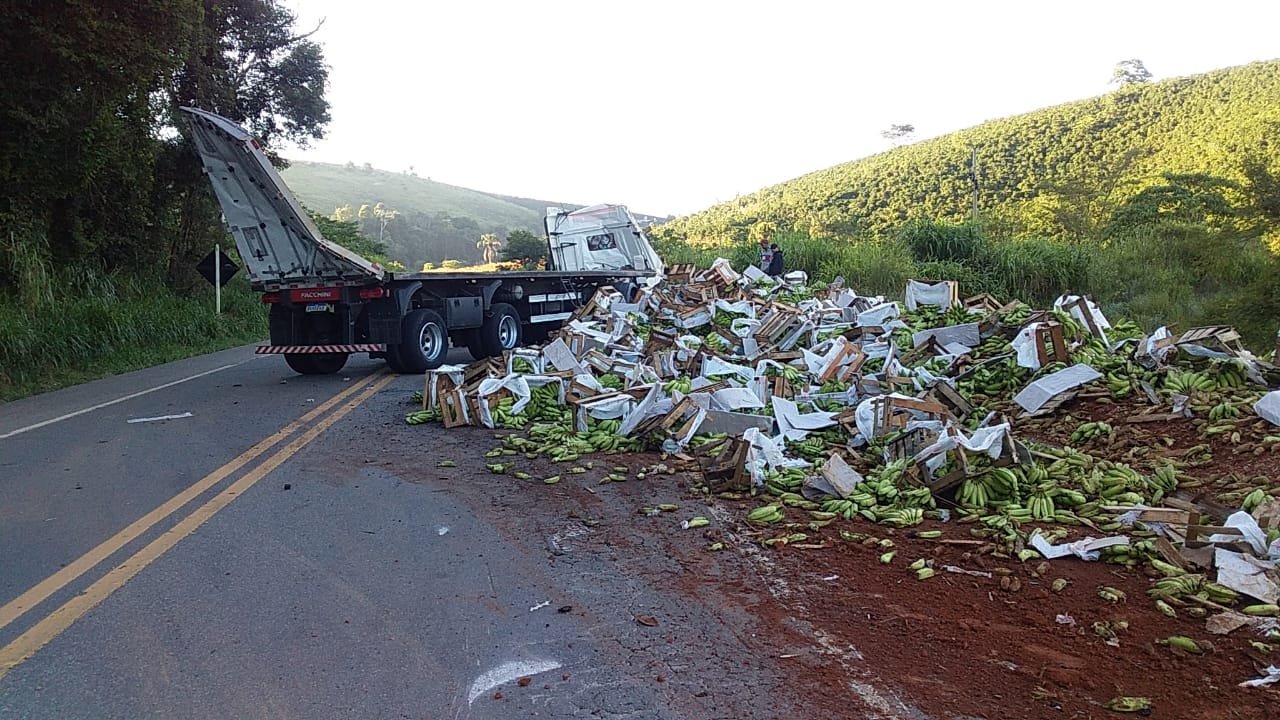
(1248,527)
(864,415)
(1268,407)
(764,453)
(966,335)
(655,402)
(1086,549)
(878,314)
(1025,346)
(1095,313)
(1247,575)
(1034,396)
(742,307)
(516,384)
(613,408)
(795,425)
(735,399)
(1270,676)
(919,293)
(712,366)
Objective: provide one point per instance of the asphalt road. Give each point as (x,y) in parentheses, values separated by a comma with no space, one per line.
(271,552)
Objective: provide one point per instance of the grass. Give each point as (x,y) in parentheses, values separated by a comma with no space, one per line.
(1175,277)
(95,325)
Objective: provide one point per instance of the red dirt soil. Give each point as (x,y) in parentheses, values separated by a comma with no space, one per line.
(842,625)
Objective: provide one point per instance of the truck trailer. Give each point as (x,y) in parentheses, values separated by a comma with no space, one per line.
(326,302)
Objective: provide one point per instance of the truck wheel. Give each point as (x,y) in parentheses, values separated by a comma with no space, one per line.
(316,364)
(474,345)
(393,359)
(501,330)
(424,341)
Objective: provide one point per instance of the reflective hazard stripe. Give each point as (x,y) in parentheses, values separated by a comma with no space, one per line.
(550,297)
(317,349)
(549,318)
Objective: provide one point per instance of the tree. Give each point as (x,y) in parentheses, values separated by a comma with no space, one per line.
(524,247)
(1130,72)
(250,66)
(488,245)
(344,213)
(899,134)
(383,215)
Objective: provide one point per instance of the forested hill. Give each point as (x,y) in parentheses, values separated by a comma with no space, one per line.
(417,219)
(323,187)
(1059,172)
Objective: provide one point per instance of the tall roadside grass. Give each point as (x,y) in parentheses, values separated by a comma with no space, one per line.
(1177,276)
(89,324)
(871,267)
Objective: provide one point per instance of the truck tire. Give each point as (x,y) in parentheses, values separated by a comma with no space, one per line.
(474,346)
(316,363)
(424,341)
(393,359)
(501,330)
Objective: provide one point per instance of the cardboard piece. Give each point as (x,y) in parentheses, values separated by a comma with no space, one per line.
(1087,549)
(1035,395)
(844,480)
(734,423)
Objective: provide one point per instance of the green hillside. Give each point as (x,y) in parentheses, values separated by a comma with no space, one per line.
(1043,173)
(433,222)
(1161,199)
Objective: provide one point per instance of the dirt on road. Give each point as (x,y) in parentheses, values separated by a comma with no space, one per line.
(826,630)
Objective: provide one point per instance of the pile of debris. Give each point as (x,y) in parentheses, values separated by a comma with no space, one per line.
(840,405)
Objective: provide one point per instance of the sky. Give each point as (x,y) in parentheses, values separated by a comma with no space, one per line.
(670,107)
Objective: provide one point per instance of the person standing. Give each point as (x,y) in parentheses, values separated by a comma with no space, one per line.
(775,260)
(766,255)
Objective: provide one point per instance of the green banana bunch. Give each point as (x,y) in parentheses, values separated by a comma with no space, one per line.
(846,508)
(1042,505)
(766,514)
(781,480)
(716,342)
(1262,610)
(682,384)
(1225,410)
(1186,382)
(1118,386)
(422,416)
(973,493)
(1111,595)
(901,517)
(1129,704)
(1090,430)
(1253,499)
(1228,374)
(1182,642)
(611,381)
(725,318)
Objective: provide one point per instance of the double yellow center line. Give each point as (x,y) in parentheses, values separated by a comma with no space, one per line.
(40,634)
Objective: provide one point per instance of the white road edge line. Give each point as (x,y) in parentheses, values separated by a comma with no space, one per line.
(505,673)
(99,406)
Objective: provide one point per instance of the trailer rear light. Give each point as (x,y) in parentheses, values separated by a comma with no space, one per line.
(270,298)
(372,293)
